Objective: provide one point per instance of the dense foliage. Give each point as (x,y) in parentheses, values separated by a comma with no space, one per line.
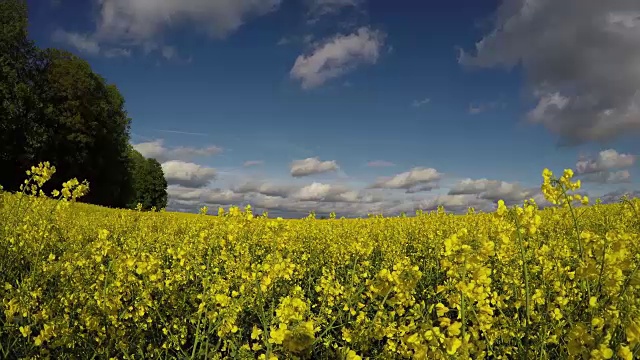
(149,183)
(80,280)
(54,107)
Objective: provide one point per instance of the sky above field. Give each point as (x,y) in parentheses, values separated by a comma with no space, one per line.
(367,106)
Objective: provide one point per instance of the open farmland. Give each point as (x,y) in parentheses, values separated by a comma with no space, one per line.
(319,179)
(81,281)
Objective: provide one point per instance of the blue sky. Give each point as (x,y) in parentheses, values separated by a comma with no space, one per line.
(374,106)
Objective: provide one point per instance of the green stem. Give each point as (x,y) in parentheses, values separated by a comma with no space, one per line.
(577,230)
(463,312)
(525,271)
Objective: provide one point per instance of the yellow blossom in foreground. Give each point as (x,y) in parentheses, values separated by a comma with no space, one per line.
(83,281)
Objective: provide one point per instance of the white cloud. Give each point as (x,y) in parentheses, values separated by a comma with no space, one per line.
(152,149)
(609,177)
(139,20)
(454,203)
(407,180)
(310,166)
(87,44)
(288,207)
(380,163)
(606,160)
(615,196)
(157,150)
(338,56)
(493,190)
(509,192)
(82,42)
(422,188)
(182,193)
(265,188)
(187,174)
(280,199)
(318,192)
(142,22)
(294,200)
(581,61)
(419,103)
(471,186)
(195,198)
(222,197)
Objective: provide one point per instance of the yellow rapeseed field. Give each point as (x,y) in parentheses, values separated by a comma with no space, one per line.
(80,282)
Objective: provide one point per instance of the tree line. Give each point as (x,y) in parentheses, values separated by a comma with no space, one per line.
(54,107)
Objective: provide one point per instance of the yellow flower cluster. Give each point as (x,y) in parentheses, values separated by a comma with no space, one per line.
(80,281)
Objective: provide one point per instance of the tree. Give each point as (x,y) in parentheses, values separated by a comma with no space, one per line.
(149,183)
(22,128)
(54,107)
(88,128)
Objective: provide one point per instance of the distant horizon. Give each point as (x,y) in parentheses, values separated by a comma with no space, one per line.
(367,106)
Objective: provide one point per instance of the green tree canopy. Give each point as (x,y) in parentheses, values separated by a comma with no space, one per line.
(149,183)
(53,107)
(89,129)
(22,128)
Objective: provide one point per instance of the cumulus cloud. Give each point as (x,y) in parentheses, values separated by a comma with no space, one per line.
(380,163)
(296,208)
(581,60)
(472,186)
(509,192)
(608,177)
(320,192)
(265,188)
(422,188)
(187,174)
(87,44)
(157,150)
(337,56)
(310,166)
(142,23)
(184,197)
(316,191)
(452,203)
(299,202)
(82,42)
(604,161)
(492,190)
(615,196)
(222,197)
(152,149)
(416,177)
